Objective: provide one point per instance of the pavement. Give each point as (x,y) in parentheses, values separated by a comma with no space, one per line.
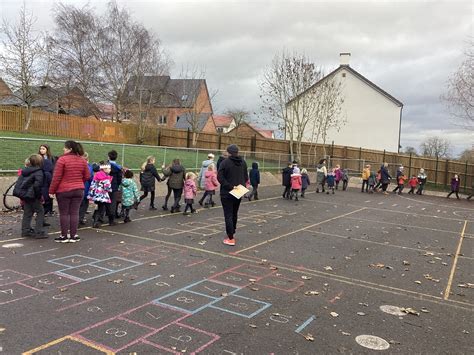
(344,273)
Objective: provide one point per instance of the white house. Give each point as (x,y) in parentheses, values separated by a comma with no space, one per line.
(373,117)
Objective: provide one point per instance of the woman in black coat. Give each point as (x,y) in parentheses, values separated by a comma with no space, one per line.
(48,166)
(147,180)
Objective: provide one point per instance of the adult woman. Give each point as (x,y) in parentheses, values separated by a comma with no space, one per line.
(385,177)
(48,165)
(70,174)
(232,172)
(176,174)
(147,180)
(321,174)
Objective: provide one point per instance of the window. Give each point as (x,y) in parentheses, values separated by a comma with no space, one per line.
(220,129)
(343,75)
(126,115)
(184,97)
(162,119)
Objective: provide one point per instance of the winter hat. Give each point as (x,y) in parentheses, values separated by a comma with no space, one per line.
(233,149)
(296,170)
(210,156)
(105,166)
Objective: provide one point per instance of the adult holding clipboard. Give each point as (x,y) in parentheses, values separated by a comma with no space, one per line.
(233,177)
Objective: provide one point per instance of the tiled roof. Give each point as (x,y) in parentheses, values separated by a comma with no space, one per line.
(184,120)
(222,120)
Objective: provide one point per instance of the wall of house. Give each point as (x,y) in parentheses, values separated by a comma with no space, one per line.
(372,120)
(244,131)
(209,127)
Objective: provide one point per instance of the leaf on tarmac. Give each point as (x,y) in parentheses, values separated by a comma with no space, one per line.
(429,277)
(273,268)
(64,289)
(2,330)
(410,310)
(153,264)
(252,326)
(122,242)
(466,285)
(171,276)
(308,337)
(360,313)
(418,282)
(224,294)
(328,268)
(364,304)
(87,297)
(252,280)
(202,242)
(334,314)
(118,281)
(406,262)
(345,333)
(304,277)
(379,265)
(428,253)
(424,310)
(254,288)
(311,293)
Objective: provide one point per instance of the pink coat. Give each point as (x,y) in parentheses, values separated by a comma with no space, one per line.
(211,182)
(190,189)
(296,181)
(338,174)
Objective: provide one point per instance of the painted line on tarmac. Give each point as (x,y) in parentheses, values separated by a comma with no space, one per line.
(39,252)
(305,324)
(299,230)
(435,204)
(456,257)
(402,225)
(295,269)
(11,240)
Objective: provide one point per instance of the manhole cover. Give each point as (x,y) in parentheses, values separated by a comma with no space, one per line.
(12,245)
(394,310)
(372,342)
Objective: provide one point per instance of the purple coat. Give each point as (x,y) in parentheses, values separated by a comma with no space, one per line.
(338,173)
(455,184)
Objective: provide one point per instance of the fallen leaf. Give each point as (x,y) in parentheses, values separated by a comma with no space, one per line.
(466,285)
(63,289)
(424,310)
(311,293)
(171,276)
(153,264)
(87,297)
(379,265)
(202,242)
(122,242)
(304,277)
(118,281)
(224,294)
(328,268)
(273,268)
(428,253)
(252,280)
(364,304)
(389,267)
(360,313)
(418,282)
(252,326)
(254,288)
(409,310)
(406,262)
(309,337)
(334,314)
(2,330)
(465,331)
(344,333)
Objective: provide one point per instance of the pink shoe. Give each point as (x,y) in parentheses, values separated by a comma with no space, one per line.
(228,241)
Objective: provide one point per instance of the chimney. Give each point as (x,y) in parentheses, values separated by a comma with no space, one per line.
(344,58)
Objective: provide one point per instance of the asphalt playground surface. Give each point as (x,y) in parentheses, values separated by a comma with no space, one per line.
(344,273)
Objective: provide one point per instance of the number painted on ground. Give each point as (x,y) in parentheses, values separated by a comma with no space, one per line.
(184,299)
(117,332)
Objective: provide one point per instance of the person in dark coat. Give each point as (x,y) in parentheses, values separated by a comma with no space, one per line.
(455,183)
(29,189)
(87,184)
(116,173)
(232,172)
(148,176)
(305,182)
(176,174)
(224,156)
(254,177)
(286,180)
(48,166)
(385,177)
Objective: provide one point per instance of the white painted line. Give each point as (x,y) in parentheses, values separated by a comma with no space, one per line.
(394,205)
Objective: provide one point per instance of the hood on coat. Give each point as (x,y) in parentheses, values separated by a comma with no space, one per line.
(29,170)
(126,182)
(295,174)
(176,168)
(254,165)
(148,167)
(236,160)
(189,184)
(209,173)
(102,175)
(206,163)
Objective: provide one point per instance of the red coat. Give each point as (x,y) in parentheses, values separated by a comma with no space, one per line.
(70,173)
(413,182)
(296,181)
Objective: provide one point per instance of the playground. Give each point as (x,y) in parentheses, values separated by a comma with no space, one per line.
(342,273)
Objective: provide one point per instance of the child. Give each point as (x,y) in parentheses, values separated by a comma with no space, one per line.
(412,182)
(210,186)
(378,177)
(421,181)
(372,182)
(331,180)
(345,179)
(99,193)
(365,178)
(338,173)
(254,177)
(321,173)
(28,189)
(190,191)
(304,181)
(147,180)
(400,181)
(130,195)
(286,180)
(454,186)
(296,183)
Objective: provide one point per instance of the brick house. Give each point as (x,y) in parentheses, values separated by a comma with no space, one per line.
(247,130)
(165,102)
(224,123)
(4,89)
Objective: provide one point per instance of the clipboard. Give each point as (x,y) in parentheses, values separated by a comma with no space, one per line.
(239,191)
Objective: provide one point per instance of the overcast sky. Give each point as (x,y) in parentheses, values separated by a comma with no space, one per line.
(408,48)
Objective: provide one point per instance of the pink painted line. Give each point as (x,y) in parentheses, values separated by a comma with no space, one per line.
(99,345)
(135,341)
(336,297)
(197,263)
(160,347)
(15,272)
(281,289)
(212,335)
(269,271)
(136,323)
(31,287)
(75,304)
(226,270)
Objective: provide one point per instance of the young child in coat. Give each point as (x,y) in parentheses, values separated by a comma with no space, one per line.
(286,180)
(305,182)
(28,189)
(330,180)
(254,177)
(365,178)
(338,175)
(400,181)
(421,181)
(190,192)
(296,183)
(455,183)
(100,192)
(372,182)
(210,186)
(130,195)
(413,182)
(345,179)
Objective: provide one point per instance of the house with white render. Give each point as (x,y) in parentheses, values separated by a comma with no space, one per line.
(372,116)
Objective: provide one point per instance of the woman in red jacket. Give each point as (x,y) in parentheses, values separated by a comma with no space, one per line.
(70,174)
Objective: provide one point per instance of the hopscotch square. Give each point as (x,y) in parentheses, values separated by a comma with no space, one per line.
(166,231)
(143,256)
(240,306)
(186,301)
(86,272)
(180,338)
(128,248)
(144,347)
(16,291)
(204,232)
(73,260)
(212,289)
(68,346)
(197,225)
(116,264)
(115,334)
(256,272)
(10,276)
(280,283)
(155,316)
(50,281)
(232,279)
(164,251)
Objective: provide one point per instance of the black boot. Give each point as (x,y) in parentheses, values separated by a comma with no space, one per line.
(95,219)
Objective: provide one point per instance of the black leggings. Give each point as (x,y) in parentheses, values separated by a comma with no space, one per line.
(152,197)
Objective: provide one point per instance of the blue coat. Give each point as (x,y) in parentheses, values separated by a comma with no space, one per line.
(254,175)
(305,181)
(385,175)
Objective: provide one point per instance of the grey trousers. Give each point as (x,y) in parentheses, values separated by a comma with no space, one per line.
(29,209)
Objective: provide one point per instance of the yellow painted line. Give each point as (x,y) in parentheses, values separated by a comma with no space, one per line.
(11,240)
(91,345)
(67,337)
(456,257)
(299,230)
(343,279)
(45,346)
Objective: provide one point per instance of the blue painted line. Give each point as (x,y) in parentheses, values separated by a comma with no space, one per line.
(260,310)
(59,273)
(203,294)
(54,261)
(146,280)
(265,305)
(305,324)
(179,290)
(39,252)
(229,311)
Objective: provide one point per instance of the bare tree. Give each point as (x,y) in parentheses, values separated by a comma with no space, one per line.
(410,150)
(240,116)
(435,147)
(467,155)
(22,60)
(282,86)
(460,94)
